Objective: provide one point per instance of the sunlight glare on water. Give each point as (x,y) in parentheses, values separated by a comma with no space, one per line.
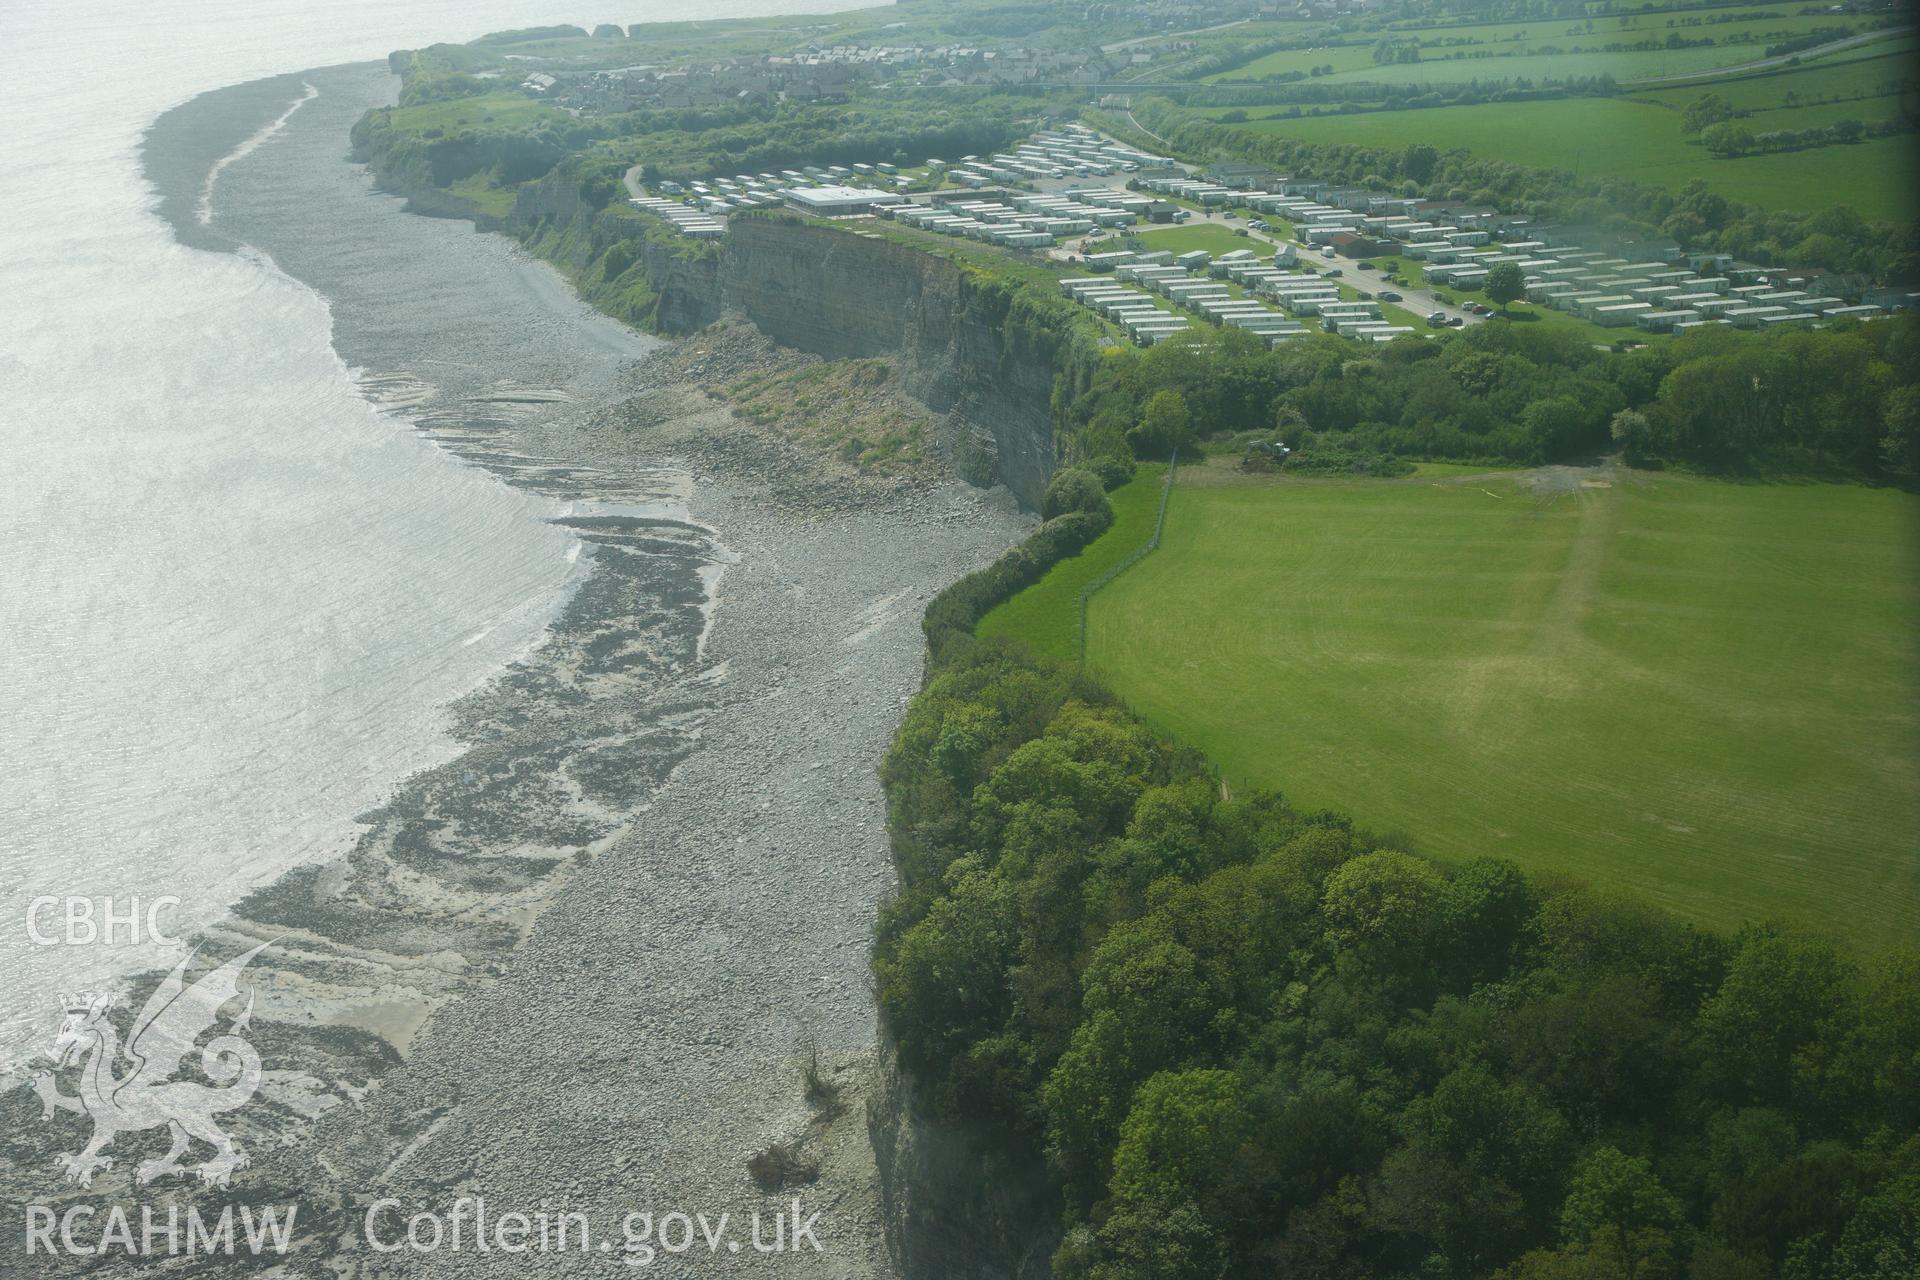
(234,598)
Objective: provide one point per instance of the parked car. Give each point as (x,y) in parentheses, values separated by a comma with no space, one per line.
(1387,295)
(1438,320)
(1457,322)
(1333,272)
(1364,266)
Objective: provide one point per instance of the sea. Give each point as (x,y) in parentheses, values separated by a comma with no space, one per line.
(237,594)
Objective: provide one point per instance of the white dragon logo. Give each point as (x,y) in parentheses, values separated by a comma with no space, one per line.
(174,1016)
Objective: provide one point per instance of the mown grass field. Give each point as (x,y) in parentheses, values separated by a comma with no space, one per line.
(1641,141)
(1707,692)
(1209,237)
(1047,614)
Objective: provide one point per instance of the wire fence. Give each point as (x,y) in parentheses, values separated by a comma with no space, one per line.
(1134,557)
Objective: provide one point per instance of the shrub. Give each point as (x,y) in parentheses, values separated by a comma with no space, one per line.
(620,256)
(781,1166)
(1113,471)
(1074,489)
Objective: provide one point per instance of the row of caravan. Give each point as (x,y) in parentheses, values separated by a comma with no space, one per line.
(1270,301)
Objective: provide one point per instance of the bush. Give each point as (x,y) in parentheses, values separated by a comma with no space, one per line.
(1074,489)
(1335,461)
(780,1166)
(620,256)
(1113,472)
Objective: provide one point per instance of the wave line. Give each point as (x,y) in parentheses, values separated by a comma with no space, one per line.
(203,213)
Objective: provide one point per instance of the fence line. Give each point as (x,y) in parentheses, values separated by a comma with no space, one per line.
(1134,557)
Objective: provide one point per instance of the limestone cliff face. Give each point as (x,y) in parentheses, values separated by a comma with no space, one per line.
(965,343)
(994,357)
(630,268)
(952,1209)
(958,339)
(690,288)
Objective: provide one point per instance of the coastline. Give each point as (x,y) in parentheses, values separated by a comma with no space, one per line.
(662,848)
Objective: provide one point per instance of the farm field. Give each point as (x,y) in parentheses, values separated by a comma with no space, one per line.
(1837,79)
(1504,50)
(1642,141)
(1608,134)
(1624,66)
(1702,691)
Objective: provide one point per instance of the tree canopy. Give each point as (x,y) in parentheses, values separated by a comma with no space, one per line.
(1217,1036)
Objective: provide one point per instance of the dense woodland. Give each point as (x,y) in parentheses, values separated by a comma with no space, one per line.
(1839,400)
(1218,1037)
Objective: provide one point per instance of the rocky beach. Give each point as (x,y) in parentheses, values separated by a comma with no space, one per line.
(615,948)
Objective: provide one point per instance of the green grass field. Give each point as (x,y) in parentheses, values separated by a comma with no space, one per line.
(1506,50)
(1210,237)
(1641,141)
(1601,135)
(1707,692)
(1875,69)
(1047,614)
(504,108)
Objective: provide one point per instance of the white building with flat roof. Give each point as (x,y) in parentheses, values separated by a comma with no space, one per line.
(830,201)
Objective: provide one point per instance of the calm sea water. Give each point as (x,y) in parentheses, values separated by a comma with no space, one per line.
(234,598)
